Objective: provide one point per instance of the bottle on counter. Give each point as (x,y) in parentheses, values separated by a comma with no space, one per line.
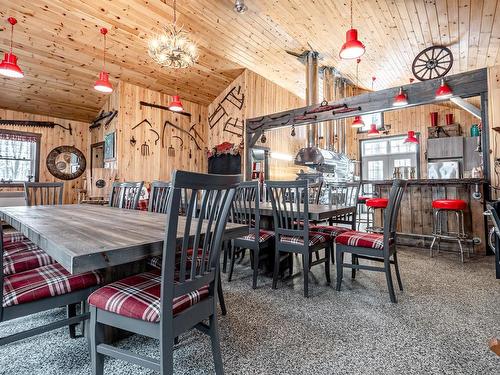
(474,130)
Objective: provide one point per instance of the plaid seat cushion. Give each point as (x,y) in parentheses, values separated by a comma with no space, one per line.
(143,204)
(331,230)
(361,239)
(138,297)
(25,260)
(17,247)
(264,235)
(315,238)
(12,237)
(44,282)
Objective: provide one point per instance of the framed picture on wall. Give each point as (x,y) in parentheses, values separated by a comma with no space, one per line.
(109,146)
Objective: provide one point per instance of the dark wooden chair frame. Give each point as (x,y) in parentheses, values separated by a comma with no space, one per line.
(292,219)
(245,211)
(50,193)
(169,327)
(122,188)
(384,255)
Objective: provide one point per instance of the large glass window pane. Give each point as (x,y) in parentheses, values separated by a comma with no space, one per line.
(15,149)
(399,147)
(371,148)
(17,160)
(15,170)
(375,170)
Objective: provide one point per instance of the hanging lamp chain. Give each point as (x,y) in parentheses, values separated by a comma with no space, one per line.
(104,54)
(11,36)
(175,12)
(351,14)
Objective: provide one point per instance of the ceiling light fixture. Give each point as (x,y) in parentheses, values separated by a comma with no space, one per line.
(176,104)
(400,99)
(239,6)
(358,122)
(103,84)
(444,91)
(8,66)
(373,130)
(352,48)
(173,48)
(411,137)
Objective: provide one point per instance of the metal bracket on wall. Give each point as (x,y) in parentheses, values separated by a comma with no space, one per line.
(36,124)
(103,115)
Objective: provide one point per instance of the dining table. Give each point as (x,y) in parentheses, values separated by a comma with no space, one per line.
(85,237)
(317,212)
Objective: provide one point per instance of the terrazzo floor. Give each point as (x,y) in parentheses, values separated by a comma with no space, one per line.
(441,325)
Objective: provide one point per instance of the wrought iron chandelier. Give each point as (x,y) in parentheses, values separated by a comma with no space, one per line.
(173,48)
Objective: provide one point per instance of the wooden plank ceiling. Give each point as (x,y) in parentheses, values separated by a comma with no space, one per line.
(59,45)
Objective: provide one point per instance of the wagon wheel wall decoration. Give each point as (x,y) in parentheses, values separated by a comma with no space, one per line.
(433,62)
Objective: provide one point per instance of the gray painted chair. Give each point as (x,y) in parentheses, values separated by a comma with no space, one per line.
(374,246)
(125,194)
(245,211)
(291,227)
(43,288)
(171,302)
(43,193)
(158,197)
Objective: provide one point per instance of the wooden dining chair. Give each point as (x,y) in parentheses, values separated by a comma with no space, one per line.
(163,305)
(379,247)
(340,194)
(43,193)
(245,211)
(291,228)
(37,289)
(125,194)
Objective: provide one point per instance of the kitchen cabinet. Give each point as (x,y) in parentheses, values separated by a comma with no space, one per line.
(445,148)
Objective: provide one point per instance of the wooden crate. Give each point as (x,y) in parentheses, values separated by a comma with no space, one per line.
(453,130)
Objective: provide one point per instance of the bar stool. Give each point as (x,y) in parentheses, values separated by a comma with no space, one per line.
(373,204)
(447,206)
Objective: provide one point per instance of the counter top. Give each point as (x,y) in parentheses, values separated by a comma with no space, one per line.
(422,181)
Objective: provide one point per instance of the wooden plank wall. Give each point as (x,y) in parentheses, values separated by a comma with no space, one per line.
(417,119)
(50,139)
(158,165)
(494,121)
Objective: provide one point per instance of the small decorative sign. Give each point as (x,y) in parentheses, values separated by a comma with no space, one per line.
(109,146)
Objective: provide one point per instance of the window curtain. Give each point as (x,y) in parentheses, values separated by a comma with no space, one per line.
(17,137)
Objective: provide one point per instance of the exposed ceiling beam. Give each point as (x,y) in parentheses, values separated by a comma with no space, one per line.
(469,107)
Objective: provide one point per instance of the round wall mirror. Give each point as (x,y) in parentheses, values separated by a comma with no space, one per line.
(66,162)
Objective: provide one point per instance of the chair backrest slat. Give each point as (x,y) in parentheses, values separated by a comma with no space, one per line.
(43,193)
(125,194)
(392,210)
(344,194)
(246,205)
(158,197)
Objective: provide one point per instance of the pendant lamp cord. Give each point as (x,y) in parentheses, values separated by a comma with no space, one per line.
(357,71)
(175,14)
(11,36)
(351,14)
(104,55)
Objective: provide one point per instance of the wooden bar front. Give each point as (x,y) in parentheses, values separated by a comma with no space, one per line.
(415,220)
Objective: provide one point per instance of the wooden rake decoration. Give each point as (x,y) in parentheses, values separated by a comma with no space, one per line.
(168,123)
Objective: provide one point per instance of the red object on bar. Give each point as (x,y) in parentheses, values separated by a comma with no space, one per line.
(434,119)
(449,204)
(449,118)
(377,202)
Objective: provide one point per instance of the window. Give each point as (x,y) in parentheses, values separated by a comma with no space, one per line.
(380,156)
(19,154)
(372,118)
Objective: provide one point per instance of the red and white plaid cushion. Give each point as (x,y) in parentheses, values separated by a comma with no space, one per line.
(143,204)
(314,238)
(138,297)
(361,239)
(331,230)
(43,282)
(17,247)
(264,235)
(25,260)
(12,237)
(155,262)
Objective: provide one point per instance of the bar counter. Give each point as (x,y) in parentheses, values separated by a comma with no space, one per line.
(415,221)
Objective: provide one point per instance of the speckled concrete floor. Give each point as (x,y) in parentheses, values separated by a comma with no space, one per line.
(440,326)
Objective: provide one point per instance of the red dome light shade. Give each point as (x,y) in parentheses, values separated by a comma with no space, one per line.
(411,138)
(8,66)
(102,84)
(352,48)
(444,91)
(373,130)
(358,122)
(400,99)
(176,104)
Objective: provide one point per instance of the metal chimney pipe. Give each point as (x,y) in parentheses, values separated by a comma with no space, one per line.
(311,60)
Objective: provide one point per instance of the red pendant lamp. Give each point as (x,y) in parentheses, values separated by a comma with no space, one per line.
(373,130)
(8,66)
(176,104)
(400,99)
(352,48)
(103,84)
(444,91)
(358,122)
(411,137)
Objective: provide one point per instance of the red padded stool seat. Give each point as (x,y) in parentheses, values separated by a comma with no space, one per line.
(377,202)
(449,204)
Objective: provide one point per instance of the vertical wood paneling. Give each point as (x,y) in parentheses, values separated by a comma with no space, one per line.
(50,139)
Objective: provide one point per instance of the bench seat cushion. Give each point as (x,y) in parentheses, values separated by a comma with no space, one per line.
(138,297)
(25,260)
(44,282)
